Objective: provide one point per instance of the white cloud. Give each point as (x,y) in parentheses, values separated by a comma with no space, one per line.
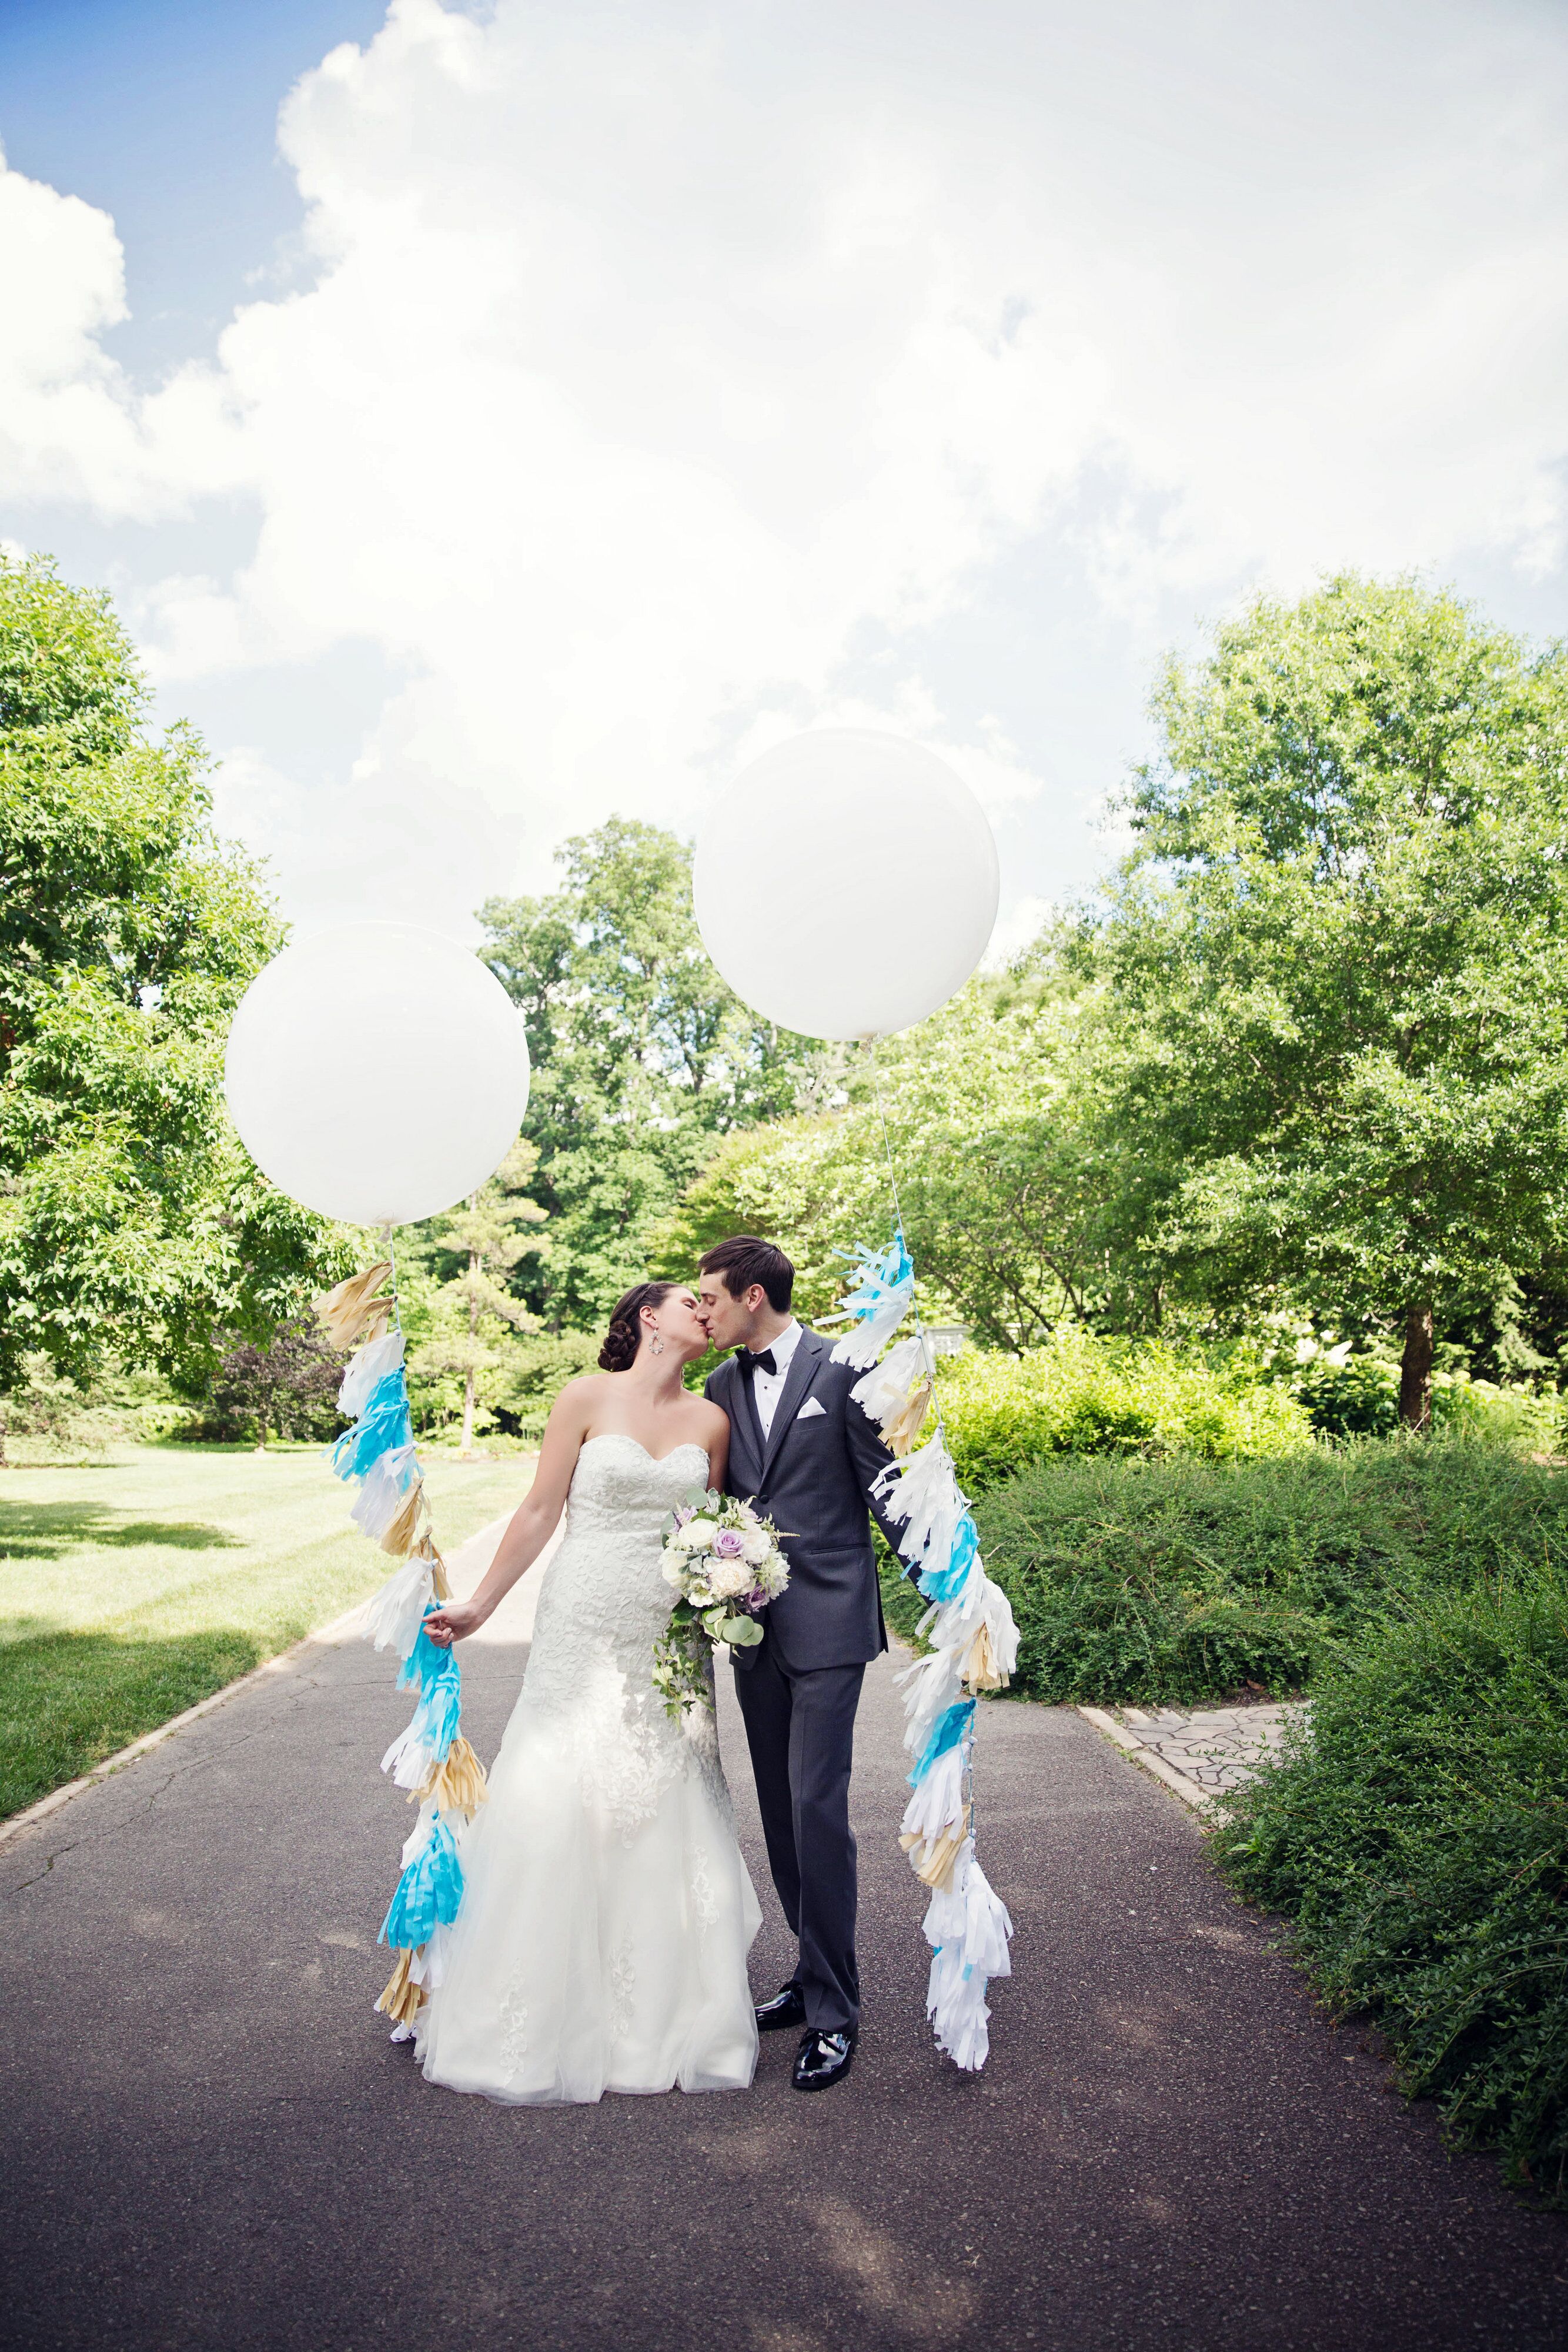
(657,364)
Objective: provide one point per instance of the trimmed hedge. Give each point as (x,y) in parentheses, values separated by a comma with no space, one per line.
(1082,1394)
(1180,1581)
(1418,1839)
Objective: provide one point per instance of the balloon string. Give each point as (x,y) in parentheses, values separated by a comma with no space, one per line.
(392,1255)
(928,1355)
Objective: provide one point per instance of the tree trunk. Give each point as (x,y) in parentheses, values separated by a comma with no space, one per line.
(1415,1371)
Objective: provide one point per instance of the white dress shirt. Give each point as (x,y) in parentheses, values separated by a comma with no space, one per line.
(767,1387)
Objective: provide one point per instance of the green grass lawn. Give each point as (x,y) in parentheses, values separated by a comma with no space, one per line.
(134,1587)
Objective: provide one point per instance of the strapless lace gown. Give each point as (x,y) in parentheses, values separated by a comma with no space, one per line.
(607,1913)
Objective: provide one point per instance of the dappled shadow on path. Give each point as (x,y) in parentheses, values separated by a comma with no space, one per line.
(50,1530)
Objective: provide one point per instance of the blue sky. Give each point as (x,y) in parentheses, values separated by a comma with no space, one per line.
(165,116)
(526,413)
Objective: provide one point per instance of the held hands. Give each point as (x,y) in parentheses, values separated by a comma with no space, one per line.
(450,1624)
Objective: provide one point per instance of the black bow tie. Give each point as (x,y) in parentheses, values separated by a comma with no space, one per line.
(762,1361)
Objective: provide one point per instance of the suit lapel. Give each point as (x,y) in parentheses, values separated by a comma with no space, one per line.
(803,1367)
(741,1406)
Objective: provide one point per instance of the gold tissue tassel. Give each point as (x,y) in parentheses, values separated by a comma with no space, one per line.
(399,1537)
(440,1584)
(402,1998)
(935,1867)
(904,1426)
(342,1310)
(457,1783)
(980,1670)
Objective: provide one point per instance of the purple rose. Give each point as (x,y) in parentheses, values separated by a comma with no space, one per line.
(728,1544)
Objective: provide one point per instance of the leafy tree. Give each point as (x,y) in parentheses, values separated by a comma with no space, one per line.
(288,1388)
(1001,1181)
(472,1309)
(1331,985)
(131,1220)
(643,1058)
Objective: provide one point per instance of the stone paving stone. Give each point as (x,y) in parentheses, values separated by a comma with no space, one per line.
(1218,1747)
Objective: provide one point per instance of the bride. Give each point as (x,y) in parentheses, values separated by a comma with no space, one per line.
(607,1913)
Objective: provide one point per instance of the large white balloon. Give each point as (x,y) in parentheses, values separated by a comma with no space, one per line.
(377,1072)
(846,884)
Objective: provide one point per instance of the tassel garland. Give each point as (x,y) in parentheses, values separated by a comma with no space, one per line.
(431,1759)
(881,1391)
(380,1496)
(401,1530)
(371,1366)
(401,1998)
(344,1312)
(882,1296)
(973,1647)
(391,1618)
(456,1785)
(427,1893)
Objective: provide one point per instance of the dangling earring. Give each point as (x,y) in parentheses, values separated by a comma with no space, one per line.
(658,1346)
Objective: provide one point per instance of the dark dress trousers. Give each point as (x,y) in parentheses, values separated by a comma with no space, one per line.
(799,1687)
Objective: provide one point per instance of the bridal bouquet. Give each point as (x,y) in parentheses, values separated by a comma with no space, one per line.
(726,1566)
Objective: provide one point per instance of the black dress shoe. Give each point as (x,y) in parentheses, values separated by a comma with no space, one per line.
(822,2059)
(785,2009)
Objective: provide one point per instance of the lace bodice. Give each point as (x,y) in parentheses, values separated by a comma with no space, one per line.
(602,1605)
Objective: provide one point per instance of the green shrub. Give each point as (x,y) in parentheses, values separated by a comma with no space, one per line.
(1356,1398)
(1516,1416)
(1082,1394)
(1183,1580)
(1418,1839)
(45,1418)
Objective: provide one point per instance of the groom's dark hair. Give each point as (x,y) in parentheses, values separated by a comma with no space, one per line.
(745,1260)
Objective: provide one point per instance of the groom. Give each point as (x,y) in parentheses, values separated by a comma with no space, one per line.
(806,1454)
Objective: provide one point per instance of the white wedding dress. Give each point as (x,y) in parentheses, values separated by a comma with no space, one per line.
(607,1913)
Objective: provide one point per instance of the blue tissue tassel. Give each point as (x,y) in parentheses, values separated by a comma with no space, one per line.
(428,1893)
(949,1728)
(880,1271)
(383,1425)
(425,1663)
(946,1583)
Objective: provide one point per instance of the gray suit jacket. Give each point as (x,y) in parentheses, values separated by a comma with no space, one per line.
(810,1479)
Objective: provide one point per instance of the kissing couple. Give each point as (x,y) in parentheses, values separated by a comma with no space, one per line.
(606,1912)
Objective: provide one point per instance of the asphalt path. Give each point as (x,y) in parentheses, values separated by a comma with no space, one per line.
(209,2140)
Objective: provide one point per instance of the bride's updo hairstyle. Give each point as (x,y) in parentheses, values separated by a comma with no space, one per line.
(624,1335)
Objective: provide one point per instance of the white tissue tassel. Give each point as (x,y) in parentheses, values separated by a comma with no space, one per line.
(887,1384)
(366,1367)
(391,1618)
(921,1497)
(934,1681)
(410,1760)
(937,1803)
(387,1481)
(973,1928)
(865,1343)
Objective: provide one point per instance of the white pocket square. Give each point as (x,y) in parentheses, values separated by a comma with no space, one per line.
(809,1408)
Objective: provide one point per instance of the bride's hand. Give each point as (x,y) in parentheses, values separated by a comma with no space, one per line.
(447,1625)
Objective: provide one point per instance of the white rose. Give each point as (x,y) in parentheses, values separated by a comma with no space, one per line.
(756,1545)
(698,1535)
(673,1572)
